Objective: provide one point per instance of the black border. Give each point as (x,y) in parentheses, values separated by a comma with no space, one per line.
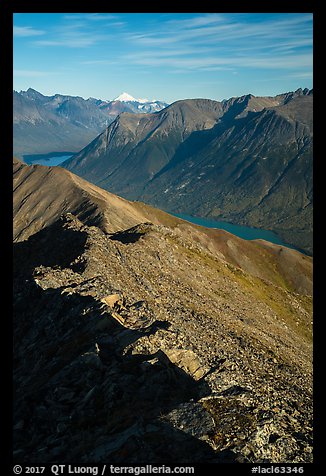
(7,8)
(238,6)
(6,236)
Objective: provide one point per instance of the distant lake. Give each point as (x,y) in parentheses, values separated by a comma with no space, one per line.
(244,232)
(54,158)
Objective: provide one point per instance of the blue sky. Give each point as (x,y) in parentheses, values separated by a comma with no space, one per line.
(166,56)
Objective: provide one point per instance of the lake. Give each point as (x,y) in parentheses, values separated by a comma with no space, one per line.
(54,158)
(245,232)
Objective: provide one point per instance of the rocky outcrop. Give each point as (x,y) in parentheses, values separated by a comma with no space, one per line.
(153,349)
(42,194)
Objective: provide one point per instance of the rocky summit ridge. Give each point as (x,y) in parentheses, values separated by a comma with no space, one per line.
(149,343)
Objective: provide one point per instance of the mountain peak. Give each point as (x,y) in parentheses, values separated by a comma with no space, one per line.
(125,97)
(32,93)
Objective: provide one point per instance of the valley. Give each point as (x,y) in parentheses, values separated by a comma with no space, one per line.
(247,161)
(178,333)
(163,271)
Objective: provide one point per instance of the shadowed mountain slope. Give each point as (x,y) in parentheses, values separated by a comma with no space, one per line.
(42,194)
(64,125)
(246,160)
(141,338)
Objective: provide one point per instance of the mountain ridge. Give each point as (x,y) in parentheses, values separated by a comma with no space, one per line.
(44,124)
(136,340)
(242,160)
(96,207)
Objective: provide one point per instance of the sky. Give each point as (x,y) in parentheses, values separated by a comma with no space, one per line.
(166,56)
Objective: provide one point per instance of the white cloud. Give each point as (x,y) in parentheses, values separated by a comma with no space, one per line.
(74,39)
(215,62)
(91,16)
(197,21)
(32,73)
(26,31)
(101,62)
(77,42)
(218,28)
(75,34)
(215,41)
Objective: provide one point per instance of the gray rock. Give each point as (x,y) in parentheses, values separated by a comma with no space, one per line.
(192,418)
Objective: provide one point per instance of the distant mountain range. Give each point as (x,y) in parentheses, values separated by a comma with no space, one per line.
(136,105)
(44,124)
(246,160)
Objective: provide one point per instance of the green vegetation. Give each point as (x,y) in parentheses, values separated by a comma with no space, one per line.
(281,301)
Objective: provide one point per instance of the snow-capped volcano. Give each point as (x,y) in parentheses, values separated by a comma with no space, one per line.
(125,97)
(132,104)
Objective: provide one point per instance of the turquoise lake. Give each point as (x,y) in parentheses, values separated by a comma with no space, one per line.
(48,159)
(245,232)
